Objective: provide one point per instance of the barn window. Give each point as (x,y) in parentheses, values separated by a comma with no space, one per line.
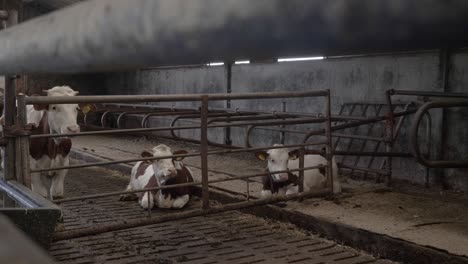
(301,59)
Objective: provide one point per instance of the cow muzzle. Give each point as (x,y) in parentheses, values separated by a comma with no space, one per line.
(73,129)
(280,177)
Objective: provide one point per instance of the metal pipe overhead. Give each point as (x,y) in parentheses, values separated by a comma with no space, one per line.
(120,34)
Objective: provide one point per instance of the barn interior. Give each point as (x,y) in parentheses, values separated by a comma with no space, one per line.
(379,85)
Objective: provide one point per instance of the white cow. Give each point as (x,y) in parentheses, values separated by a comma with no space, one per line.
(287,183)
(162,172)
(52,152)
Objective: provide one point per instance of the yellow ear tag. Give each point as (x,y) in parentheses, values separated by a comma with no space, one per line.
(85,109)
(262,156)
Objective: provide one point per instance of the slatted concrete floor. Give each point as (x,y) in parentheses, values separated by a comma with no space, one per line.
(230,237)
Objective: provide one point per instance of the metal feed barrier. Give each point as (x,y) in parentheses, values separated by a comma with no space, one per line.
(22,137)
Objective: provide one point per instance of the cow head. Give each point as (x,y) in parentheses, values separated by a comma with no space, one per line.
(277,161)
(164,169)
(62,117)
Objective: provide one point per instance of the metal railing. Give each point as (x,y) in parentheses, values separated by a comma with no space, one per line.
(23,138)
(415,148)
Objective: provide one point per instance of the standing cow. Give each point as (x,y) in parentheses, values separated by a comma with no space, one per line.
(52,152)
(160,172)
(287,183)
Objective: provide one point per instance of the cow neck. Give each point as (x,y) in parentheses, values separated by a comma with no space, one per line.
(51,147)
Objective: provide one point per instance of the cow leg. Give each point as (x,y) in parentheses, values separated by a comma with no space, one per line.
(181,201)
(37,185)
(58,181)
(265,194)
(292,190)
(128,196)
(147,201)
(164,202)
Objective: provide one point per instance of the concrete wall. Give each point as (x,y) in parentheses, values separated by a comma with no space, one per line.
(351,80)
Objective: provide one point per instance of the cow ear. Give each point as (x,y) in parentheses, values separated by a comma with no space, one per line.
(261,155)
(40,107)
(179,152)
(294,154)
(146,154)
(86,108)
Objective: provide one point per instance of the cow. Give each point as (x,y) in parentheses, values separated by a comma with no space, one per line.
(287,183)
(52,152)
(160,172)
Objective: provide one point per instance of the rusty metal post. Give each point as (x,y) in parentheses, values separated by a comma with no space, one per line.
(248,189)
(283,134)
(301,166)
(389,138)
(23,149)
(9,113)
(227,130)
(204,151)
(329,146)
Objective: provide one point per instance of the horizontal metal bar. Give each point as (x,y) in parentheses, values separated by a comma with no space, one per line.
(152,129)
(122,34)
(169,97)
(358,123)
(175,216)
(359,137)
(231,178)
(373,154)
(375,171)
(227,151)
(428,94)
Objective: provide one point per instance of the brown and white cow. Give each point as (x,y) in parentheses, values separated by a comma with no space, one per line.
(160,172)
(287,183)
(52,152)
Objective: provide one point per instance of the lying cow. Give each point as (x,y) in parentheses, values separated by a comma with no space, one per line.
(162,172)
(288,183)
(52,152)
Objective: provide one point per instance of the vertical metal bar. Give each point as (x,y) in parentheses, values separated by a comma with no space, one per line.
(429,144)
(329,147)
(301,166)
(389,136)
(23,149)
(9,110)
(444,73)
(248,189)
(283,134)
(204,151)
(227,130)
